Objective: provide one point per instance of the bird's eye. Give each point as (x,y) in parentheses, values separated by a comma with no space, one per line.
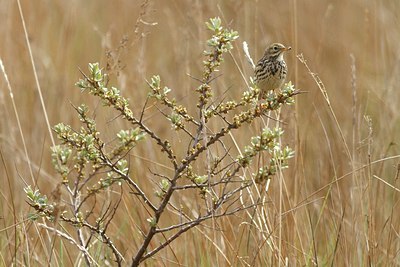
(275,48)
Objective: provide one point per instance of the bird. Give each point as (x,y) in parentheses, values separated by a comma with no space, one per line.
(270,71)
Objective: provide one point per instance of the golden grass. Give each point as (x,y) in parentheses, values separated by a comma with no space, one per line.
(338,201)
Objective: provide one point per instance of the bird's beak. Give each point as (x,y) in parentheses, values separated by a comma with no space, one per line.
(287,48)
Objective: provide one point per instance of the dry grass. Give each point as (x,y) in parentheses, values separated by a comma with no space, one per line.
(339,198)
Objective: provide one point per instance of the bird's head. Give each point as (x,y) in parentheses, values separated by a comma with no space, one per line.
(276,51)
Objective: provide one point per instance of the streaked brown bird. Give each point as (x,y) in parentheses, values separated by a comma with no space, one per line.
(270,72)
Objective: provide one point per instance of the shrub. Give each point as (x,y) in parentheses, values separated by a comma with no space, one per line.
(90,166)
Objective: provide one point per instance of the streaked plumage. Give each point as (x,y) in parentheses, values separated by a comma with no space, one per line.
(270,72)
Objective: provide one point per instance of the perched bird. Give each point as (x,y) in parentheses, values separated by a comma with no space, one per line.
(271,69)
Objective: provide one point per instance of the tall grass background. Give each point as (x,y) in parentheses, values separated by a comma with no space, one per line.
(340,195)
